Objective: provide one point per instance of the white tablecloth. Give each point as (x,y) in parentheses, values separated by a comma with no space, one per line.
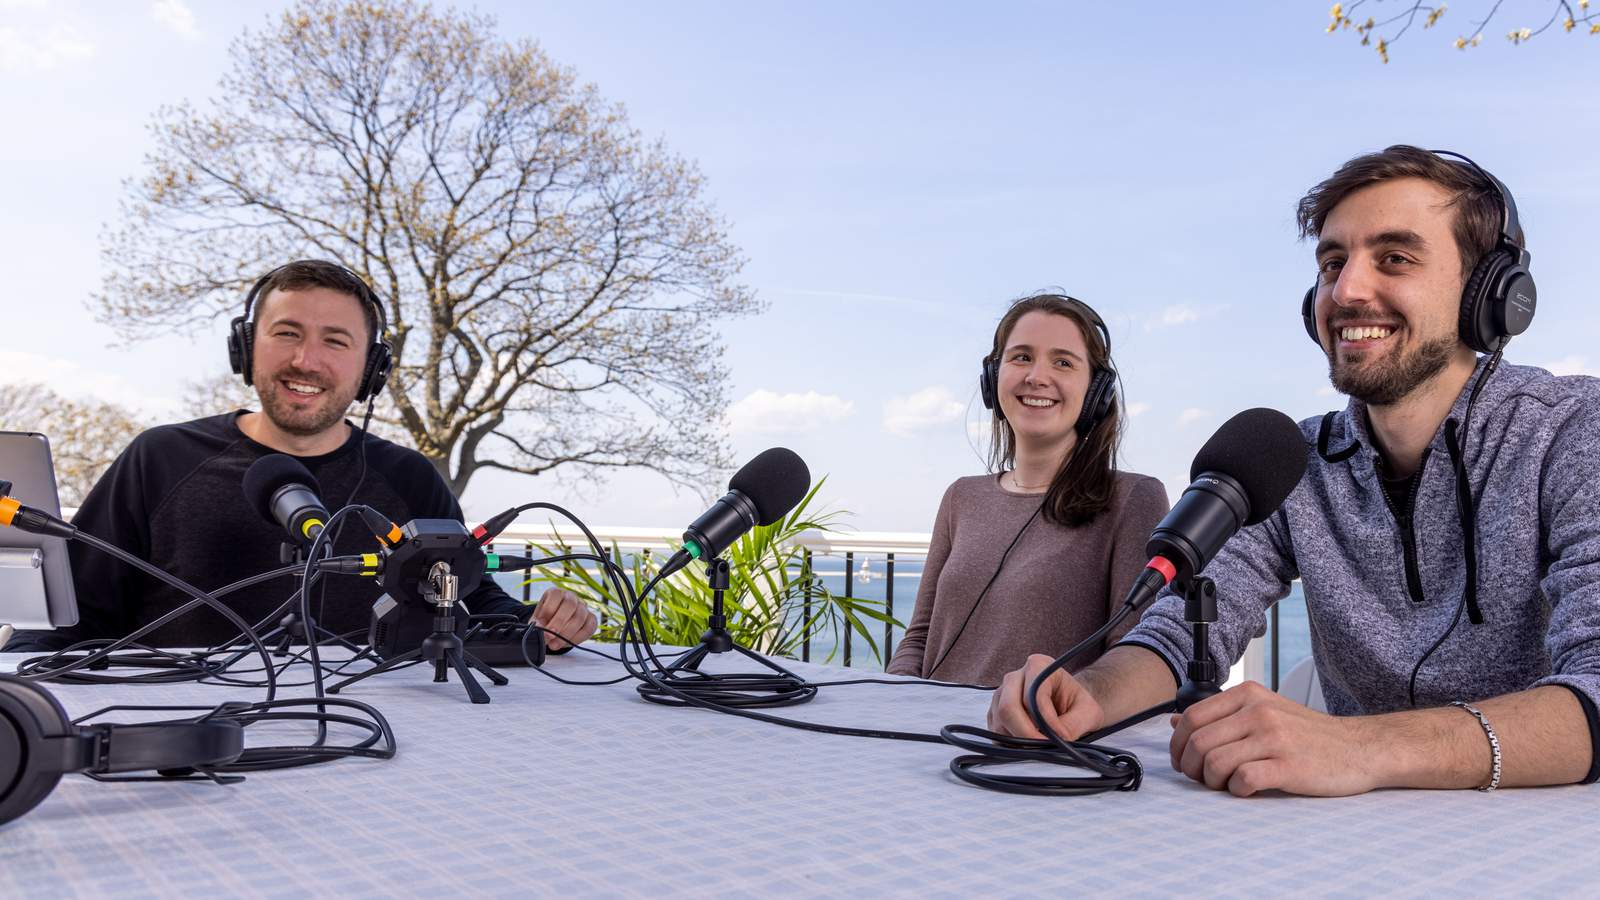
(590,791)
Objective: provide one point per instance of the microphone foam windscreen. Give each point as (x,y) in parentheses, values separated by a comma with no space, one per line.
(1263,450)
(271,472)
(774,481)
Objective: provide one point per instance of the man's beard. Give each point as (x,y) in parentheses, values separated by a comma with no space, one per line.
(302,422)
(1380,382)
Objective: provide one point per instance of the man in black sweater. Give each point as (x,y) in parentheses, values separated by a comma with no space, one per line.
(174,497)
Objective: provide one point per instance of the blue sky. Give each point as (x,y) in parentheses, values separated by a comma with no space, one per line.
(895,173)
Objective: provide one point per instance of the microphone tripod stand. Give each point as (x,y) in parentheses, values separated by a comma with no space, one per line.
(443,647)
(292,626)
(751,690)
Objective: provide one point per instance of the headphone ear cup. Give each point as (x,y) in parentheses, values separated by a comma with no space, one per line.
(989,385)
(1097,401)
(239,347)
(1497,303)
(28,716)
(380,360)
(1477,327)
(1308,313)
(1517,301)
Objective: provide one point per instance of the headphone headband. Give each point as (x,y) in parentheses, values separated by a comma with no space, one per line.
(366,294)
(1510,224)
(39,744)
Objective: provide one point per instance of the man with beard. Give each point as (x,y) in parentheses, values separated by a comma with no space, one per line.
(175,496)
(1446,532)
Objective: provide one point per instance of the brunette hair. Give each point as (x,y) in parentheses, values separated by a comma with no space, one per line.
(318,273)
(1475,200)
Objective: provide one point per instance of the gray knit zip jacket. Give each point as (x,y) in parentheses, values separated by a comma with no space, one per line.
(1380,595)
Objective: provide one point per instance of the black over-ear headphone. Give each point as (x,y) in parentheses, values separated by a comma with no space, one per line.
(380,356)
(1499,298)
(39,744)
(1097,400)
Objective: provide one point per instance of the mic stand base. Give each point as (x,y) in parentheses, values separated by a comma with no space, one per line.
(292,628)
(742,691)
(443,648)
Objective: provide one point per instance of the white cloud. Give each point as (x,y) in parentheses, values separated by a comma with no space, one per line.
(1192,415)
(57,46)
(71,379)
(768,412)
(928,408)
(1137,409)
(1326,390)
(1572,365)
(176,15)
(1180,314)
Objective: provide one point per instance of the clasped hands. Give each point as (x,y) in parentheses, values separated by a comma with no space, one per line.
(1243,740)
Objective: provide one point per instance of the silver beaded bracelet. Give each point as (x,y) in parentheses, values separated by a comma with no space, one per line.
(1494,744)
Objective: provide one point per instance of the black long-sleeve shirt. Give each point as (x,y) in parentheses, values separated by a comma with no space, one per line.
(174,498)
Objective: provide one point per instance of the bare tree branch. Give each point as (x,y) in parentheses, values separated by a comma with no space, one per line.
(552,281)
(85,436)
(1344,16)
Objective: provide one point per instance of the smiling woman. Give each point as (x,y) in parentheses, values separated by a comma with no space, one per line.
(1034,556)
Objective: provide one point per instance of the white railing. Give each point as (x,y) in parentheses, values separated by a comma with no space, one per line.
(906,543)
(863,543)
(900,543)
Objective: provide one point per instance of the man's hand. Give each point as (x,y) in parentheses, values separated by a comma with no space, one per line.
(566,620)
(1248,739)
(1064,703)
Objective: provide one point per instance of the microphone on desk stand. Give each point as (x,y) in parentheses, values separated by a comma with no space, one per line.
(282,490)
(1239,478)
(761,493)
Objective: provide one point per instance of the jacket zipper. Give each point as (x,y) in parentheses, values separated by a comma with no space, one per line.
(1408,538)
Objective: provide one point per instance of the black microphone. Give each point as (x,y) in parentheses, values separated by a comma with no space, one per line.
(283,490)
(761,493)
(1240,477)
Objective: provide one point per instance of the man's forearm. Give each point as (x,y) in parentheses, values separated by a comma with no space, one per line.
(1128,679)
(1543,734)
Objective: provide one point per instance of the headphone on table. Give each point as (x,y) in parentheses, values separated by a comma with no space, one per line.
(380,356)
(1499,298)
(39,744)
(1097,401)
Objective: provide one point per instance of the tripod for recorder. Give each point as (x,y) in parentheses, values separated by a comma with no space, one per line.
(780,688)
(443,647)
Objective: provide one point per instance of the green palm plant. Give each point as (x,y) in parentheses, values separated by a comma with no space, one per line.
(773,605)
